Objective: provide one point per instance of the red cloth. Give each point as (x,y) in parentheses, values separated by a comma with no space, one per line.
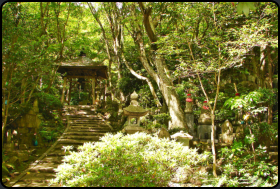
(189,100)
(205,107)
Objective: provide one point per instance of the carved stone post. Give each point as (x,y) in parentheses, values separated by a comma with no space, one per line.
(63,90)
(93,90)
(69,94)
(189,114)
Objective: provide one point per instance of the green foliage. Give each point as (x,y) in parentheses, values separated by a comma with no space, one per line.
(77,97)
(245,7)
(248,102)
(264,129)
(17,110)
(162,117)
(132,160)
(161,121)
(146,98)
(47,103)
(5,170)
(224,114)
(239,166)
(127,84)
(50,130)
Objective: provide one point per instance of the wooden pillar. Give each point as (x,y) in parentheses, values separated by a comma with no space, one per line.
(93,90)
(63,90)
(69,95)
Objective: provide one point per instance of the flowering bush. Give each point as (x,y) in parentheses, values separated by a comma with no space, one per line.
(128,160)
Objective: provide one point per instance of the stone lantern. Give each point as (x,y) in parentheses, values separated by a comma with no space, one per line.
(134,110)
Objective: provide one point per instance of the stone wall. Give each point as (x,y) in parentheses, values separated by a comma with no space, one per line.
(25,128)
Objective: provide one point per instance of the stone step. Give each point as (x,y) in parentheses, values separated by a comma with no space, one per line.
(73,141)
(97,127)
(273,155)
(86,124)
(56,153)
(89,130)
(97,133)
(30,184)
(75,147)
(78,106)
(51,159)
(38,177)
(44,168)
(273,149)
(77,137)
(83,116)
(86,120)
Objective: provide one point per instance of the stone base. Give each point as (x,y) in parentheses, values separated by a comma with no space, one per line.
(227,139)
(185,141)
(133,129)
(209,140)
(204,131)
(236,123)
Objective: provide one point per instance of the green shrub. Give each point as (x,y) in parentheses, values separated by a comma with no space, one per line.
(50,130)
(77,97)
(240,169)
(131,160)
(47,103)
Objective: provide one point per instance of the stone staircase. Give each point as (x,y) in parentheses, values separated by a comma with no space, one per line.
(84,125)
(273,154)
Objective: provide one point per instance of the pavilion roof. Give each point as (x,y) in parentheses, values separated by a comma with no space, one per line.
(83,66)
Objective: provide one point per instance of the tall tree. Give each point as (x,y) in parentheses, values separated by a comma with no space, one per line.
(162,75)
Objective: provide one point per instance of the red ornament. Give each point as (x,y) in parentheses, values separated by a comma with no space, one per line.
(237,94)
(189,100)
(205,107)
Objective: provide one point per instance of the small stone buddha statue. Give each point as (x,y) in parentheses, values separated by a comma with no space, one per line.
(189,101)
(205,115)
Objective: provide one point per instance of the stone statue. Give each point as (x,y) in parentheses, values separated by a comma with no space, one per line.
(227,132)
(188,108)
(205,115)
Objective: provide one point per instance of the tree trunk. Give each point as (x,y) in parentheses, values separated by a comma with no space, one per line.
(52,78)
(116,30)
(212,110)
(23,88)
(145,79)
(6,107)
(167,89)
(213,143)
(161,75)
(270,86)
